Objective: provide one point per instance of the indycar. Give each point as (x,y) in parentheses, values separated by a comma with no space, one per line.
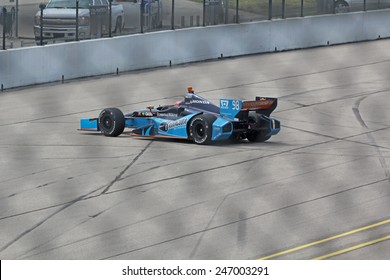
(194,118)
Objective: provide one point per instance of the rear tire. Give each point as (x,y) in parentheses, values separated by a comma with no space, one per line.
(111,122)
(257,135)
(201,128)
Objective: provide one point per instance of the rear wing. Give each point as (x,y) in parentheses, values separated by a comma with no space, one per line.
(230,108)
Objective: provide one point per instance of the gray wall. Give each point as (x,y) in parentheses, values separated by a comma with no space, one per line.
(35,65)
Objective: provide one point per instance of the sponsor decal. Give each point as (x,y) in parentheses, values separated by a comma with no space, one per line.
(167,115)
(196,101)
(224,104)
(165,126)
(260,104)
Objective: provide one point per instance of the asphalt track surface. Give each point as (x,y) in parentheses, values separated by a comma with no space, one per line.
(319,189)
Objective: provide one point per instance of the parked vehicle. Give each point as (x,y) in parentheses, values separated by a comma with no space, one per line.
(344,6)
(59,19)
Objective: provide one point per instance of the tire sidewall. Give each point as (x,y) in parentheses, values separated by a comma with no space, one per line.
(206,121)
(260,135)
(117,122)
(199,120)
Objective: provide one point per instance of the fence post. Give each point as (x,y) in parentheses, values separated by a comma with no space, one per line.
(77,21)
(237,20)
(269,9)
(16,18)
(41,7)
(204,12)
(110,19)
(4,12)
(142,16)
(173,15)
(226,12)
(301,8)
(283,9)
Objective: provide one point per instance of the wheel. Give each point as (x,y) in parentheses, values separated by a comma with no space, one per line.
(111,122)
(118,26)
(340,6)
(257,135)
(201,128)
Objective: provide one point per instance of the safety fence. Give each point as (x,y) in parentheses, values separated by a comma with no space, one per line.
(61,62)
(29,22)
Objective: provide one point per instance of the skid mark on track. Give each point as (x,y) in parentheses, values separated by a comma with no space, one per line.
(345,138)
(151,218)
(219,167)
(33,173)
(88,158)
(91,217)
(332,139)
(364,94)
(87,111)
(296,76)
(181,161)
(66,205)
(195,249)
(241,217)
(240,220)
(47,184)
(119,176)
(65,145)
(25,256)
(371,137)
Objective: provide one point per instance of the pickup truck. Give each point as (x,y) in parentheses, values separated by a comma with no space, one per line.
(59,19)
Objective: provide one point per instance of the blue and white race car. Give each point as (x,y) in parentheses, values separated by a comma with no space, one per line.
(194,118)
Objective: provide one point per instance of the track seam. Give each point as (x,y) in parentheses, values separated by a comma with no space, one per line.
(371,137)
(119,176)
(297,76)
(67,205)
(333,139)
(240,220)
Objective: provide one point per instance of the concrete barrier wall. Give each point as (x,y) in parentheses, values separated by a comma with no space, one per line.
(35,65)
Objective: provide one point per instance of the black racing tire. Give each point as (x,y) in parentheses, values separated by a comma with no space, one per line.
(341,6)
(111,122)
(257,135)
(201,128)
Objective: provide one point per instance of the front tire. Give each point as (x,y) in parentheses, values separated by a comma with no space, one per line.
(201,128)
(111,122)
